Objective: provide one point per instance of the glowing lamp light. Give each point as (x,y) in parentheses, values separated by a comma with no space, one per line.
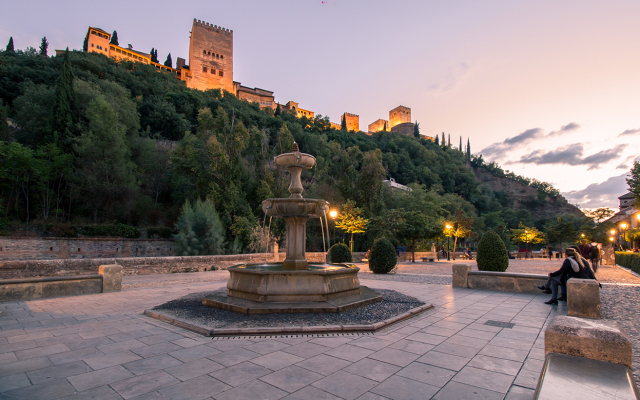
(333,214)
(583,235)
(448,226)
(613,232)
(623,225)
(638,217)
(611,239)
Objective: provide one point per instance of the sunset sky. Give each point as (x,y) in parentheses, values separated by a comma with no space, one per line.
(548,89)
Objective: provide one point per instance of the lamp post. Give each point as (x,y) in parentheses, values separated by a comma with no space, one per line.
(613,233)
(623,227)
(333,214)
(448,236)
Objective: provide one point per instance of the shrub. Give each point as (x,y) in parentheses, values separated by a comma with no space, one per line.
(200,231)
(119,230)
(628,260)
(383,257)
(161,232)
(492,253)
(340,253)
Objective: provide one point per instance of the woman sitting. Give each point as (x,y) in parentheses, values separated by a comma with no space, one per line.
(572,267)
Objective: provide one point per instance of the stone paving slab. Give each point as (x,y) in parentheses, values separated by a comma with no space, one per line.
(101,346)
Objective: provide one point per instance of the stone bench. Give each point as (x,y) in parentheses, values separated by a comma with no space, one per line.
(108,279)
(464,277)
(586,359)
(428,259)
(583,298)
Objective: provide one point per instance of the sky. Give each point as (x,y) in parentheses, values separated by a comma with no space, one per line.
(549,90)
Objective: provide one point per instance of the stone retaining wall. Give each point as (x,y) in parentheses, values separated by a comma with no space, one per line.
(135,265)
(503,281)
(15,248)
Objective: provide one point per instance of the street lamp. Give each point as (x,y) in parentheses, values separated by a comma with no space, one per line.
(623,227)
(448,236)
(333,214)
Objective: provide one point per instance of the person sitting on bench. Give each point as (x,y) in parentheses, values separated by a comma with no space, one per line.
(572,267)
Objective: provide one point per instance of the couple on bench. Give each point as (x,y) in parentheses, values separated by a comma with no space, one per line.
(574,266)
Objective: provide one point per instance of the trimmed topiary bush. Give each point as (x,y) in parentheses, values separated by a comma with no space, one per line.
(340,253)
(492,253)
(383,257)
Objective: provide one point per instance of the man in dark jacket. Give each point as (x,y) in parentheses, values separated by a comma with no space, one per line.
(572,267)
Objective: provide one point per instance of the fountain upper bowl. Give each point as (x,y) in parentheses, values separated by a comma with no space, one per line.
(288,207)
(295,159)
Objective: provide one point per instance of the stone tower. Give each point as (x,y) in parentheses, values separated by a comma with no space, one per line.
(210,57)
(353,121)
(399,115)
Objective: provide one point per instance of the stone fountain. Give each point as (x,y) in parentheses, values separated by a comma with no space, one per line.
(294,285)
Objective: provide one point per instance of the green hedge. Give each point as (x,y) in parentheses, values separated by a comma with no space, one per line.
(118,230)
(492,253)
(383,257)
(162,232)
(628,260)
(340,253)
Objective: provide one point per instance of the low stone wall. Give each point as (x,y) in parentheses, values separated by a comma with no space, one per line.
(109,279)
(135,265)
(503,281)
(15,248)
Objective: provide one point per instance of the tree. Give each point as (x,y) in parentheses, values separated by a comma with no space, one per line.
(154,55)
(343,124)
(449,141)
(200,231)
(634,181)
(63,114)
(168,62)
(459,228)
(44,45)
(560,231)
(437,142)
(417,227)
(527,235)
(278,111)
(351,221)
(85,44)
(5,135)
(598,215)
(10,45)
(444,143)
(460,148)
(114,38)
(416,130)
(468,149)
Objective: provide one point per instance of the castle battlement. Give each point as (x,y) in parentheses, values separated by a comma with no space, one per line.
(211,27)
(351,115)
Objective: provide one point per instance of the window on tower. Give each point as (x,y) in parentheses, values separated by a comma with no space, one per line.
(204,69)
(220,73)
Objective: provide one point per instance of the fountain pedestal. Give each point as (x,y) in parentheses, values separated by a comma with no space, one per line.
(296,243)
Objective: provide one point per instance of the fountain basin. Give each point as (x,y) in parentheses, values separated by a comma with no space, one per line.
(295,159)
(272,282)
(295,207)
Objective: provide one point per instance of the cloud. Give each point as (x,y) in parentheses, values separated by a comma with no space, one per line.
(452,79)
(630,132)
(604,194)
(572,155)
(513,142)
(626,164)
(570,127)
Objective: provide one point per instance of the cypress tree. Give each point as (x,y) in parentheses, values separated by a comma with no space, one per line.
(62,114)
(155,55)
(444,142)
(152,54)
(460,148)
(10,45)
(169,62)
(44,45)
(343,125)
(385,127)
(278,110)
(437,140)
(416,130)
(449,141)
(85,44)
(114,39)
(468,149)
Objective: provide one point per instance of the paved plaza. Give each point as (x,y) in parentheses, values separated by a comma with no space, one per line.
(100,346)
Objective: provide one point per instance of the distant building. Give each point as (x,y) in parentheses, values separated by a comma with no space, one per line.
(353,121)
(300,112)
(399,115)
(628,211)
(378,125)
(393,184)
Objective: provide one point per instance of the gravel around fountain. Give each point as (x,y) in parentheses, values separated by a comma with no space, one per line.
(189,308)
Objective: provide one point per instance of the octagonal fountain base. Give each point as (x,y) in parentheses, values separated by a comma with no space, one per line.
(270,288)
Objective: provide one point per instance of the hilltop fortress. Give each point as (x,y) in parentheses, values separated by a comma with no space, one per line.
(211,67)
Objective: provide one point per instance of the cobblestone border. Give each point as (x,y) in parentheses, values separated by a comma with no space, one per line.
(206,331)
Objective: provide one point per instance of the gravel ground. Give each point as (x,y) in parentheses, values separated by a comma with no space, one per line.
(622,303)
(190,308)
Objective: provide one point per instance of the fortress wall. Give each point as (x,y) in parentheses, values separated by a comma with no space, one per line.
(353,122)
(210,57)
(14,249)
(378,125)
